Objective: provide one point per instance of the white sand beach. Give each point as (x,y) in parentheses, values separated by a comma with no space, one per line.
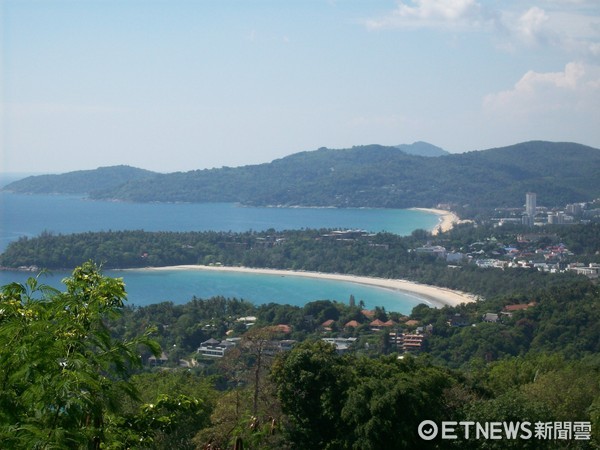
(435,296)
(447,219)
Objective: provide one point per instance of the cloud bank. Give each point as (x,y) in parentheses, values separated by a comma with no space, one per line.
(571,25)
(576,88)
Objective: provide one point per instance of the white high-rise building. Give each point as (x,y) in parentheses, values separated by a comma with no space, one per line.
(530,204)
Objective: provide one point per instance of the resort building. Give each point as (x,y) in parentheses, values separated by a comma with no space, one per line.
(214,348)
(406,342)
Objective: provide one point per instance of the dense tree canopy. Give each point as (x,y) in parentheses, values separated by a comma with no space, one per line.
(382,255)
(371,176)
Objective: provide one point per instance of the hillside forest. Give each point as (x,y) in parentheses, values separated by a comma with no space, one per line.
(365,176)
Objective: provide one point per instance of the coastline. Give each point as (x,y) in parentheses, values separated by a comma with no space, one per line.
(447,219)
(436,296)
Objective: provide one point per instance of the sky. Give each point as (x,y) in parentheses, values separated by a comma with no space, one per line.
(180,85)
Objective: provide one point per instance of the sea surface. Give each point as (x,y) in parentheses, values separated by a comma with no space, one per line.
(145,287)
(29,215)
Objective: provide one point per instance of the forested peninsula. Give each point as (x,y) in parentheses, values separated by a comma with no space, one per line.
(381,255)
(363,176)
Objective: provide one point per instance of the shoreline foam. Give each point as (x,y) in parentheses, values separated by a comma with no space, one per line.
(434,295)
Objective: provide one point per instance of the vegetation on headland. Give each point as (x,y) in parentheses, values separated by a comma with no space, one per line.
(381,255)
(71,375)
(80,181)
(373,176)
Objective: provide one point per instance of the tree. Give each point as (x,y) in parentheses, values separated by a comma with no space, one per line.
(63,375)
(311,381)
(174,405)
(387,400)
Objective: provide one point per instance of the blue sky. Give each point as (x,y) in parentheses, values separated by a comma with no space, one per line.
(181,85)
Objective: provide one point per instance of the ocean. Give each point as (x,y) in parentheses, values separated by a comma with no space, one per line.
(29,215)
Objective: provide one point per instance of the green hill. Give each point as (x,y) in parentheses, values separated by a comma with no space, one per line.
(372,176)
(377,176)
(78,182)
(421,148)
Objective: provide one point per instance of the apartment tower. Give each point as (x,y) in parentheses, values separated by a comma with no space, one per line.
(530,204)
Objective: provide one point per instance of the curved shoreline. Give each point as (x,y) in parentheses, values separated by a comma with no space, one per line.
(447,219)
(437,296)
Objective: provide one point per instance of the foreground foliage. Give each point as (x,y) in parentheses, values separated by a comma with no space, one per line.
(72,375)
(65,380)
(350,402)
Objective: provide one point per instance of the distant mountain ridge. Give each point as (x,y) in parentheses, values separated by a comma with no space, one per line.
(421,148)
(370,176)
(78,182)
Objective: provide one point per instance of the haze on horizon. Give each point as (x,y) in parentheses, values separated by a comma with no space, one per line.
(179,85)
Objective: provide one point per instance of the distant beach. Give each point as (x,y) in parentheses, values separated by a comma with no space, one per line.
(447,219)
(434,295)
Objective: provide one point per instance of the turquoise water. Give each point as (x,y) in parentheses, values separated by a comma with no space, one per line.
(179,286)
(29,215)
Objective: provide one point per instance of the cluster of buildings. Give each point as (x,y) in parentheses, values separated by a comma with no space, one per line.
(406,336)
(399,337)
(533,214)
(530,250)
(525,253)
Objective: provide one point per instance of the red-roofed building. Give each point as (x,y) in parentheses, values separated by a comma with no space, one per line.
(508,310)
(327,324)
(379,324)
(352,324)
(367,313)
(282,328)
(519,307)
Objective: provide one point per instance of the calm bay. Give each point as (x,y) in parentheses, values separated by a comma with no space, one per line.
(29,215)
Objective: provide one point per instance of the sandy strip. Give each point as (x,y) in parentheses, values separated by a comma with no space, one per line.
(434,295)
(447,219)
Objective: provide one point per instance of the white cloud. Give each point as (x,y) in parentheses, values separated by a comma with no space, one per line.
(564,26)
(576,89)
(571,25)
(531,25)
(433,13)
